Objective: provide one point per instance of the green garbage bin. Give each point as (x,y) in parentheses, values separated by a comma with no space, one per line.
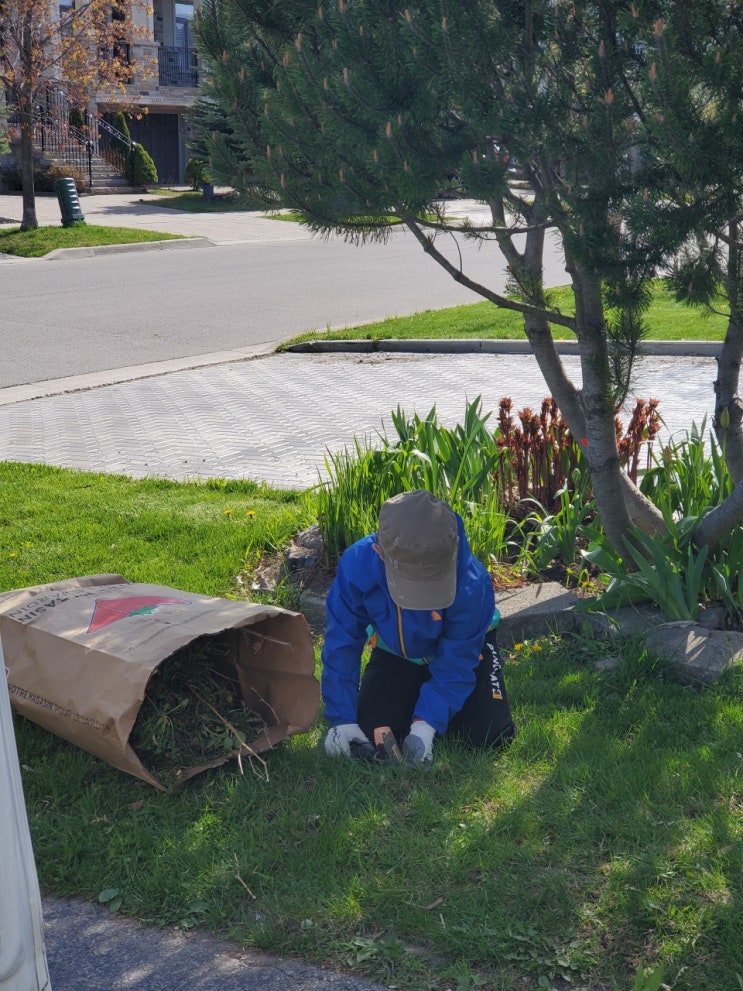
(69,202)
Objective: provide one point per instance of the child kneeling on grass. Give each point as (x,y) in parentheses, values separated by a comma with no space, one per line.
(415,588)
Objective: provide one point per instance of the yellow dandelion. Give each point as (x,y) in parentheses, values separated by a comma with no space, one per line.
(537,646)
(250,512)
(228,512)
(518,646)
(12,554)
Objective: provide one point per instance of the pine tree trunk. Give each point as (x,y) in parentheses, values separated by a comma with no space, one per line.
(643,513)
(720,520)
(599,444)
(728,407)
(620,500)
(728,423)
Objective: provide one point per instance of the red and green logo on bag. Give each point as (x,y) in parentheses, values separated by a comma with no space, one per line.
(108,611)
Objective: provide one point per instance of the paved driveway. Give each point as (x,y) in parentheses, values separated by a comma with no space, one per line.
(274,418)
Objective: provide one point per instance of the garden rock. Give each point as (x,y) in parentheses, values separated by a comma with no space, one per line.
(698,655)
(305,551)
(313,607)
(626,620)
(534,611)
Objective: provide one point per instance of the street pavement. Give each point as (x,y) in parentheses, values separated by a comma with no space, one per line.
(88,949)
(98,309)
(270,417)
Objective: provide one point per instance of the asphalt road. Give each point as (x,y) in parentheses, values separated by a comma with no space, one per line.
(77,314)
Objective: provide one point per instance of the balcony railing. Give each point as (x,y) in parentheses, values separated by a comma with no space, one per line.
(177,66)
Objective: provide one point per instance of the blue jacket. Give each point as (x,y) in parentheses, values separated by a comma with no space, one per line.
(449,641)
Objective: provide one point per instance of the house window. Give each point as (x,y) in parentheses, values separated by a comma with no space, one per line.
(183,25)
(116,52)
(66,10)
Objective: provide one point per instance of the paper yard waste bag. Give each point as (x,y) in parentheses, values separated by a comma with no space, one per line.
(81,652)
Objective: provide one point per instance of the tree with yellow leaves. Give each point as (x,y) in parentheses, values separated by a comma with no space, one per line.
(76,48)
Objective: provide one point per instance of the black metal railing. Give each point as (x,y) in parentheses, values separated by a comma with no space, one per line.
(79,143)
(177,66)
(113,146)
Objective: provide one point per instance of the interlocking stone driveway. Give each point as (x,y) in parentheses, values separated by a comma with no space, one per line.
(274,418)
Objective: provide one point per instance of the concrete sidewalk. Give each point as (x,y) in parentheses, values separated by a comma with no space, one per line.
(132,210)
(88,949)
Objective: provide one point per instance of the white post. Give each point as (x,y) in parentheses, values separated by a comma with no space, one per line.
(23,964)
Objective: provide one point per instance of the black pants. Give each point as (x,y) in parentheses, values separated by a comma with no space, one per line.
(389,692)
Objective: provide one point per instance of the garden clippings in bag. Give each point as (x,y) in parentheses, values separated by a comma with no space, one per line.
(193,714)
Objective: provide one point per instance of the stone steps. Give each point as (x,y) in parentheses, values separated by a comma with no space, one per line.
(105,178)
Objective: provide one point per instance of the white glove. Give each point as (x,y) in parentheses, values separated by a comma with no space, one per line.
(417,747)
(339,739)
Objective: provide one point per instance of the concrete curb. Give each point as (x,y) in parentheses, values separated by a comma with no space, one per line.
(173,244)
(93,380)
(702,349)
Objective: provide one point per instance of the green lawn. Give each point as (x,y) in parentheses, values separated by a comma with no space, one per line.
(667,321)
(607,838)
(193,201)
(39,242)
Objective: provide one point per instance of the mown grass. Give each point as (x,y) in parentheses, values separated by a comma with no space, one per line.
(667,320)
(193,201)
(297,217)
(198,535)
(39,242)
(609,836)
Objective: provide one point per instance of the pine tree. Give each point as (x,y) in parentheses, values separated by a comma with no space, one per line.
(694,110)
(213,142)
(361,109)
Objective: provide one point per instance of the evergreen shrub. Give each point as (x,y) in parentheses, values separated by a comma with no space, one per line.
(144,171)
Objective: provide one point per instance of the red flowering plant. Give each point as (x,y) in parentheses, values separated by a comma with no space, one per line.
(541,455)
(544,481)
